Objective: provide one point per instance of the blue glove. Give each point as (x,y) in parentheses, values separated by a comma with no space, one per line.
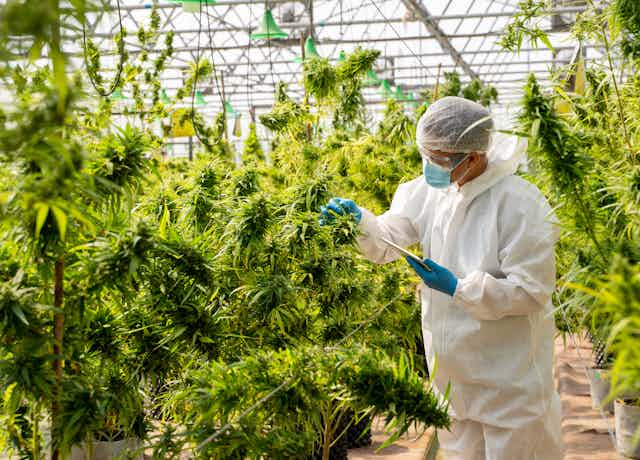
(439,278)
(340,206)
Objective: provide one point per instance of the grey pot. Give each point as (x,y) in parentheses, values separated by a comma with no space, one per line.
(130,449)
(627,424)
(600,386)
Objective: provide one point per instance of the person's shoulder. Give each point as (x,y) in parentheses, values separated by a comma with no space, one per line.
(519,192)
(515,186)
(417,185)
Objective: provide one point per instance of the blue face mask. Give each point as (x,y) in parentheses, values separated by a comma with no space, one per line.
(437,176)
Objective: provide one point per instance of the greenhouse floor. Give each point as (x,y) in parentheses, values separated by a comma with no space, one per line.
(587,432)
(413,446)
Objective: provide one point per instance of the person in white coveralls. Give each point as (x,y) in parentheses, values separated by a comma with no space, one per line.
(488,237)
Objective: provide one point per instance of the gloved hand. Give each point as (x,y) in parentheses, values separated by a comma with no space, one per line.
(439,278)
(340,206)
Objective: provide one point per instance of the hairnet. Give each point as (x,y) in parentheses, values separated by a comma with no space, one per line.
(454,124)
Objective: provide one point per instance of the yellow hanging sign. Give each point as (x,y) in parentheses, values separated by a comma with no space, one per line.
(181,125)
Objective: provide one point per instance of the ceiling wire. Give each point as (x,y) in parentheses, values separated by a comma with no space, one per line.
(116,81)
(401,39)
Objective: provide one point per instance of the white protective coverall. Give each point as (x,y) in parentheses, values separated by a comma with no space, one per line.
(494,338)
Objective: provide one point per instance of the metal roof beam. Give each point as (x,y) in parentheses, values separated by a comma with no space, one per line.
(324,24)
(417,8)
(334,42)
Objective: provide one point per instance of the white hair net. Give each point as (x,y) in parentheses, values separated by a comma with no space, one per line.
(454,124)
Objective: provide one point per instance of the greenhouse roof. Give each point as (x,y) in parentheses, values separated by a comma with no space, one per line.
(418,41)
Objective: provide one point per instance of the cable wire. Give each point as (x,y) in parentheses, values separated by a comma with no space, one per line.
(120,67)
(400,37)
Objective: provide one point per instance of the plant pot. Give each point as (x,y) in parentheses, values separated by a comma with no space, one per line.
(130,448)
(627,418)
(599,386)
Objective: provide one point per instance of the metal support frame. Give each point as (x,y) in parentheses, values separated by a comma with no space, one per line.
(464,31)
(417,8)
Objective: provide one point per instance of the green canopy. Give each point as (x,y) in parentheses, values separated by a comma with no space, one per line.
(269,30)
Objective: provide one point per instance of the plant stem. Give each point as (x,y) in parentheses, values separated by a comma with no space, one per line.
(326,437)
(35,441)
(58,334)
(588,223)
(607,48)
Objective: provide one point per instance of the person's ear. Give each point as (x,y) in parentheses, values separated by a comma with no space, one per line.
(473,158)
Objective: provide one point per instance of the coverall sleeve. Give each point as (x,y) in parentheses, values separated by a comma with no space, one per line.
(395,225)
(527,233)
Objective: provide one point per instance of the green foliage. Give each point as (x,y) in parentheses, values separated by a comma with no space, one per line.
(452,85)
(526,25)
(475,90)
(340,87)
(585,161)
(628,14)
(320,78)
(310,385)
(286,116)
(616,316)
(396,128)
(356,65)
(195,296)
(121,158)
(252,148)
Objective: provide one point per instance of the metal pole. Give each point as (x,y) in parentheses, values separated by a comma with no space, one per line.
(224,106)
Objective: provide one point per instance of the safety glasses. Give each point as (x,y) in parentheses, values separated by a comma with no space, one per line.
(446,160)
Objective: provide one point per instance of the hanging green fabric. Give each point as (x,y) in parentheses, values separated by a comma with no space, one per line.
(117,95)
(269,30)
(164,98)
(371,78)
(229,109)
(200,100)
(309,50)
(385,90)
(342,57)
(399,94)
(193,6)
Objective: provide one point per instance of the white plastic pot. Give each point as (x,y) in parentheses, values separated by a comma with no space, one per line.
(627,423)
(130,448)
(599,386)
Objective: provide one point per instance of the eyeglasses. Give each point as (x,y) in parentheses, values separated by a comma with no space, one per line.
(447,160)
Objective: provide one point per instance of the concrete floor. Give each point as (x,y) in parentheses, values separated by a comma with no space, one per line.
(411,446)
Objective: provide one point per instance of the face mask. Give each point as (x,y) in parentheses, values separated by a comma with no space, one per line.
(437,176)
(440,176)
